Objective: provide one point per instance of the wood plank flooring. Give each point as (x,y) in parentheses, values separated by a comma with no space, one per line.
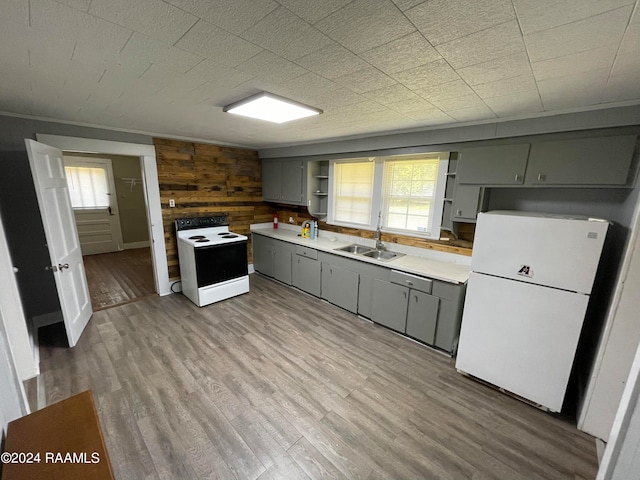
(275,384)
(119,277)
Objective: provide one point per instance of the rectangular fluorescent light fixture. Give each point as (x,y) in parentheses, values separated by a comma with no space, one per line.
(272,108)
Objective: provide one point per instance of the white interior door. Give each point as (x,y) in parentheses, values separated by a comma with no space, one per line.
(47,168)
(94,202)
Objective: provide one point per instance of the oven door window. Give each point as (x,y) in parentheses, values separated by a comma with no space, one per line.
(220,263)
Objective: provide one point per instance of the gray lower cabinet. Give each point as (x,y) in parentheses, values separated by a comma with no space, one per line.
(272,257)
(423,308)
(306,274)
(449,314)
(390,305)
(262,254)
(340,286)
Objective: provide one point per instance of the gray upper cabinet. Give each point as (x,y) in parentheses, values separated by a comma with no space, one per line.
(467,202)
(340,286)
(282,181)
(493,165)
(596,161)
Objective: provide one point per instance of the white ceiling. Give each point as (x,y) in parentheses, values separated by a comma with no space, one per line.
(169,66)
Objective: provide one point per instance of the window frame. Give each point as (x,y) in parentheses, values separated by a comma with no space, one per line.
(377,201)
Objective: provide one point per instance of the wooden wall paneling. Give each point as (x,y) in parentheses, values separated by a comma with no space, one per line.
(461,246)
(208,180)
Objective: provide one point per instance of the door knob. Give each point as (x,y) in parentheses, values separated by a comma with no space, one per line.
(62,267)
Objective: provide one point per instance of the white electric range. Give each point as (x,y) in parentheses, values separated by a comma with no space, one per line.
(213,260)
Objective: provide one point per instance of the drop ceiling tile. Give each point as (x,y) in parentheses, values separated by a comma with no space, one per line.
(573,90)
(56,28)
(284,33)
(521,103)
(414,106)
(407,52)
(365,80)
(490,44)
(507,86)
(117,79)
(272,67)
(313,12)
(217,45)
(155,18)
(471,114)
(622,87)
(626,65)
(458,103)
(141,48)
(498,69)
(332,98)
(77,4)
(588,60)
(235,17)
(14,23)
(456,88)
(445,20)
(392,94)
(594,32)
(537,15)
(366,24)
(220,75)
(433,73)
(628,58)
(407,4)
(332,61)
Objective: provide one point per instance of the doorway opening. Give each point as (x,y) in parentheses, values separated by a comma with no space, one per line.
(110,212)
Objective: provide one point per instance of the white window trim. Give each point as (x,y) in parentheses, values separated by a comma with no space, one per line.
(376,201)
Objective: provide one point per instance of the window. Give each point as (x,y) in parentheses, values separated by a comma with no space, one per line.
(88,187)
(353,189)
(407,190)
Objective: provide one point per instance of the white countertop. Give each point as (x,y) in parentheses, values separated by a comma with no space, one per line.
(446,267)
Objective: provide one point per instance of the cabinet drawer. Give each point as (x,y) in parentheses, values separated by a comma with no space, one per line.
(306,252)
(411,281)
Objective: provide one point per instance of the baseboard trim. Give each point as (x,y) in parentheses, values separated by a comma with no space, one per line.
(132,245)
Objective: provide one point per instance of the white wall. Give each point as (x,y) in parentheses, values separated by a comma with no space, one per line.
(19,335)
(12,401)
(620,340)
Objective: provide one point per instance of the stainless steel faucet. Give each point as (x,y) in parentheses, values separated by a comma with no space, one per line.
(379,244)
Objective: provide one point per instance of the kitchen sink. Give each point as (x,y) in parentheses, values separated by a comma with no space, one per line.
(354,249)
(382,255)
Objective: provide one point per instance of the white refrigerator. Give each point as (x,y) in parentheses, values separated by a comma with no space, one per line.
(526,300)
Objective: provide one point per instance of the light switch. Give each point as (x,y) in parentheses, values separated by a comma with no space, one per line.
(172,203)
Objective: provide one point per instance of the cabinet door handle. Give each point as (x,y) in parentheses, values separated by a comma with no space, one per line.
(517,178)
(415,297)
(459,212)
(542,177)
(404,294)
(409,282)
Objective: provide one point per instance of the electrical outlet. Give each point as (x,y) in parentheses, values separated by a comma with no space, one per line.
(172,203)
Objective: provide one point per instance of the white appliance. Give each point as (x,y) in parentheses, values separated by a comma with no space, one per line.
(213,260)
(526,300)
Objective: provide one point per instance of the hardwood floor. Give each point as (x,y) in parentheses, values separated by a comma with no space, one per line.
(119,277)
(275,384)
